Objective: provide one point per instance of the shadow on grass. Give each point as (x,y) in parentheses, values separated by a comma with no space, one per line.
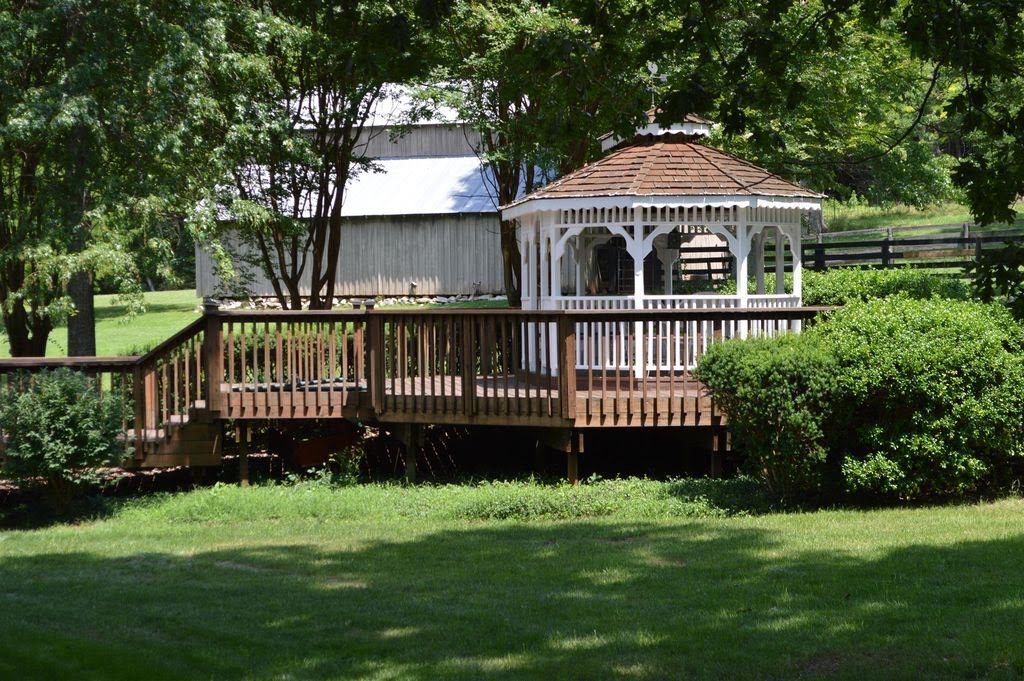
(573,600)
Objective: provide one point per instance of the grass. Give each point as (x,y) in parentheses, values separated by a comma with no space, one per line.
(840,218)
(166,313)
(379,582)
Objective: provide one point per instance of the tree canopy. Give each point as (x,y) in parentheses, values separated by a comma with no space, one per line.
(117,119)
(750,58)
(101,114)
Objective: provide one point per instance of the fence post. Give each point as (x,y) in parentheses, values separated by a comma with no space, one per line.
(819,255)
(375,359)
(567,365)
(977,248)
(886,253)
(213,356)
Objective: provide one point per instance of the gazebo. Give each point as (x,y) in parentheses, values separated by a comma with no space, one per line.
(636,207)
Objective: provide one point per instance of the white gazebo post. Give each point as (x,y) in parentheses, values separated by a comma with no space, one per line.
(637,248)
(579,252)
(742,275)
(525,261)
(545,271)
(758,262)
(780,263)
(798,278)
(668,257)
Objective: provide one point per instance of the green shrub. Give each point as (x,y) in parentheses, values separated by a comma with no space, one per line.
(842,286)
(896,399)
(939,391)
(772,391)
(58,431)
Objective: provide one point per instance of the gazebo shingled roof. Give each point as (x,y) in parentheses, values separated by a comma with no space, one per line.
(672,165)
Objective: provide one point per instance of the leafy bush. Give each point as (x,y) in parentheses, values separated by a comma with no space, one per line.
(772,390)
(58,431)
(939,392)
(894,399)
(842,286)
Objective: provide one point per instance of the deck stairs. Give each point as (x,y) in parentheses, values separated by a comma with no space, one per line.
(192,439)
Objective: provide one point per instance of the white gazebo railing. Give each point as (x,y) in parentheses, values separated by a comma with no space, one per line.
(668,345)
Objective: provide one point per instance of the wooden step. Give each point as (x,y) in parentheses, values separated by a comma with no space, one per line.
(184,442)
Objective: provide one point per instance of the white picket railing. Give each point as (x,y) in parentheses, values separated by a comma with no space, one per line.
(670,346)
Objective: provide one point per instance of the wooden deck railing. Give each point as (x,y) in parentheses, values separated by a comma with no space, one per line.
(466,364)
(515,367)
(287,364)
(169,385)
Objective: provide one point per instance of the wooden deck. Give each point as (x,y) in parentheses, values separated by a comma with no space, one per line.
(487,367)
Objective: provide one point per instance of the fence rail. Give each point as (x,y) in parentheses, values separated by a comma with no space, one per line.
(930,252)
(923,252)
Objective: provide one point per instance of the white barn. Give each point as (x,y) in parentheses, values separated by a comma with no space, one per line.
(410,226)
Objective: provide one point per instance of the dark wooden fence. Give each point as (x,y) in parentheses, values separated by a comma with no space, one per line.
(934,252)
(940,251)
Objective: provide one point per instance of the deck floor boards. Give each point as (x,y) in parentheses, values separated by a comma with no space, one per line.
(617,399)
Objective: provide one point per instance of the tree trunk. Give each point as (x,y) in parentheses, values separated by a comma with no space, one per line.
(511,263)
(82,322)
(26,334)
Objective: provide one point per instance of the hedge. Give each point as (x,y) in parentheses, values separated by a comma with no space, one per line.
(893,399)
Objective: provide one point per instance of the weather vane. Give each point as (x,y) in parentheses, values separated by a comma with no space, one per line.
(653,69)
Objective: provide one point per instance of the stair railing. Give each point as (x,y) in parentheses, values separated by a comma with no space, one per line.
(169,383)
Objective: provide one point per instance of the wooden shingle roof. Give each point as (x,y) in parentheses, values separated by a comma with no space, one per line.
(672,165)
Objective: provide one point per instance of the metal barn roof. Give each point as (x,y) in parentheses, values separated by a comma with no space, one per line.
(421,186)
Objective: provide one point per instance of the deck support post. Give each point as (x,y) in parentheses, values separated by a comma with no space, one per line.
(242,432)
(375,359)
(412,437)
(573,458)
(566,364)
(213,357)
(719,446)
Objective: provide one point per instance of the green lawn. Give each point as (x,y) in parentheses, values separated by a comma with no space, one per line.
(166,313)
(841,218)
(392,583)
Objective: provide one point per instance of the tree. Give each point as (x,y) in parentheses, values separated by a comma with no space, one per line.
(100,115)
(297,91)
(869,122)
(747,55)
(539,82)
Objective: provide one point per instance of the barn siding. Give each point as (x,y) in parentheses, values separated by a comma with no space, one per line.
(443,254)
(420,141)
